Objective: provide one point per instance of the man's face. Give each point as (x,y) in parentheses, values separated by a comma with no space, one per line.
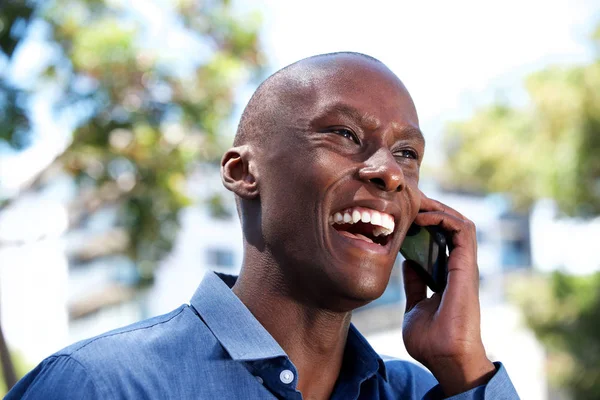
(349,148)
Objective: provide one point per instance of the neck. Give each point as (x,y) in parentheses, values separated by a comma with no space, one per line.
(312,337)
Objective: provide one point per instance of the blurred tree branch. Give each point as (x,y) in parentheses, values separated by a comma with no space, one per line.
(549,149)
(143,120)
(8,369)
(564,313)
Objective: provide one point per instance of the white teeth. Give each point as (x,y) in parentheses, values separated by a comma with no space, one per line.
(390,223)
(366,217)
(380,230)
(376,218)
(337,217)
(383,223)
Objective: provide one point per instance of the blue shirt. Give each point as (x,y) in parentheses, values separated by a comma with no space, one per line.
(214,348)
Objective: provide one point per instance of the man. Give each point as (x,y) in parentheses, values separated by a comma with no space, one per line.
(325,170)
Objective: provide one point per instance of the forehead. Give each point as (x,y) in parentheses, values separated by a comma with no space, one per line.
(352,83)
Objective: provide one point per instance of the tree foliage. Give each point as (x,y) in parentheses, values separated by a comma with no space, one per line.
(143,116)
(21,368)
(564,313)
(548,149)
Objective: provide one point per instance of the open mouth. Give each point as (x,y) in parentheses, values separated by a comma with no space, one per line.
(364,224)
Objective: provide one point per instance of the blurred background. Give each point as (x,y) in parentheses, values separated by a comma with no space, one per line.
(114,114)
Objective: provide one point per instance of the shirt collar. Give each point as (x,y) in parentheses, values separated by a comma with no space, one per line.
(361,357)
(244,338)
(248,340)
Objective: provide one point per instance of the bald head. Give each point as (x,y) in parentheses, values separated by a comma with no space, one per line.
(324,134)
(277,97)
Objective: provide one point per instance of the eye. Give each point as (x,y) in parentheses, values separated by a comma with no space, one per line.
(407,153)
(347,133)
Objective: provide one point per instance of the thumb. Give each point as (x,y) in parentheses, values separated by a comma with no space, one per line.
(414,287)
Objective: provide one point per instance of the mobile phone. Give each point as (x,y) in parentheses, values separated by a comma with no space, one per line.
(427,247)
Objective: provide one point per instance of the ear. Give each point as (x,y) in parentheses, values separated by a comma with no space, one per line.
(237,172)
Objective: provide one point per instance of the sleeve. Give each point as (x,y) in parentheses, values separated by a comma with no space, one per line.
(57,377)
(408,380)
(499,387)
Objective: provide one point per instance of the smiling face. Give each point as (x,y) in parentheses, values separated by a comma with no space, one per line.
(338,179)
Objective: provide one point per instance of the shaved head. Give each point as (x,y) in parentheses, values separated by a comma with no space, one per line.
(318,137)
(276,97)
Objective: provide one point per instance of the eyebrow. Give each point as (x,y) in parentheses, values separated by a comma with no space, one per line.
(370,121)
(409,130)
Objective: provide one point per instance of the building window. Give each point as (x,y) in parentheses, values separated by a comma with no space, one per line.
(220,258)
(515,253)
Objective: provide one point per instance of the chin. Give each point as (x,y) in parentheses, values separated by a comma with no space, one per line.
(358,288)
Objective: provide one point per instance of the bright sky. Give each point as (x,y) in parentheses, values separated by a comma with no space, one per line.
(452,56)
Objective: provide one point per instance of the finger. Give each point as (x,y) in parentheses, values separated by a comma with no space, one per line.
(463,257)
(462,230)
(461,296)
(428,204)
(414,287)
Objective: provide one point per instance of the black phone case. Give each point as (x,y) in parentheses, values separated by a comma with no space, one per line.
(438,279)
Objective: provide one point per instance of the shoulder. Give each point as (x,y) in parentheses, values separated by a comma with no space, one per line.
(57,377)
(114,363)
(408,377)
(169,339)
(132,338)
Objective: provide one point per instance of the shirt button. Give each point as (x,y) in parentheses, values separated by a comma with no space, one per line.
(259,379)
(286,376)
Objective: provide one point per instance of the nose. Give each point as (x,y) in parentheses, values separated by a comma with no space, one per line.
(382,170)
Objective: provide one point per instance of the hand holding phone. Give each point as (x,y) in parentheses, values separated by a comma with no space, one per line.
(436,328)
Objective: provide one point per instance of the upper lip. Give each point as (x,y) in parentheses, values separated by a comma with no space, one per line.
(380,205)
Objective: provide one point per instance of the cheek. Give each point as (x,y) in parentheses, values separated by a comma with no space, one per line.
(331,166)
(413,196)
(289,198)
(294,206)
(314,171)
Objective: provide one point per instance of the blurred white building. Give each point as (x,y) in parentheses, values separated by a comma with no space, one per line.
(205,243)
(33,276)
(562,243)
